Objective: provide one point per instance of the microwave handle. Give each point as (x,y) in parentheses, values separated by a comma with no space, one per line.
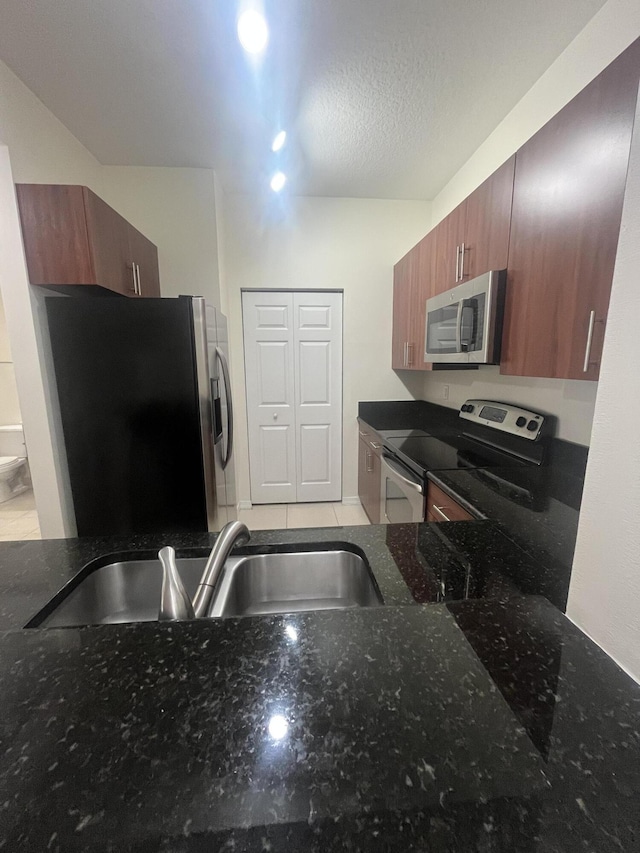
(459,326)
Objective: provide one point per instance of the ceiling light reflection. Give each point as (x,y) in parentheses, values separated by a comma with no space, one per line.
(253,31)
(278,181)
(279,140)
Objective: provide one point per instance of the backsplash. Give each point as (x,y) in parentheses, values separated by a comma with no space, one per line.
(571,401)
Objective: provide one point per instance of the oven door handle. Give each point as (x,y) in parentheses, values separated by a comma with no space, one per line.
(399,472)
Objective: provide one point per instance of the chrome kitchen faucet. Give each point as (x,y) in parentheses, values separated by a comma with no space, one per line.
(175,604)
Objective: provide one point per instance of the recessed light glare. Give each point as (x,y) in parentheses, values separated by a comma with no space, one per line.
(278,727)
(291,633)
(278,181)
(279,140)
(253,31)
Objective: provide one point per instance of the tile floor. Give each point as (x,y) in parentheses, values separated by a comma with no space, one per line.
(282,516)
(19,519)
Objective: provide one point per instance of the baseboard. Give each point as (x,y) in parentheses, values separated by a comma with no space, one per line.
(244,505)
(354,501)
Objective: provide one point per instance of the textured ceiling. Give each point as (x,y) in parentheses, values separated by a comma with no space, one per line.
(382,98)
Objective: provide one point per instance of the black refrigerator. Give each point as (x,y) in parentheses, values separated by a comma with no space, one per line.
(147,416)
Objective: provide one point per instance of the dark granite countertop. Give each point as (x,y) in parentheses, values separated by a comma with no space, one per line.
(473,726)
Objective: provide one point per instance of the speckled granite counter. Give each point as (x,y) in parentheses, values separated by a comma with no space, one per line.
(477,726)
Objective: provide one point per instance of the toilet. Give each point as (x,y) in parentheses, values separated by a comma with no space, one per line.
(14,472)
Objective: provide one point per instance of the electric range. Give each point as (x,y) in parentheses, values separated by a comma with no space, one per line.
(506,440)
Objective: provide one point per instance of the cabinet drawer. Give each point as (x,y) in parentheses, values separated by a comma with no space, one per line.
(370,437)
(441,507)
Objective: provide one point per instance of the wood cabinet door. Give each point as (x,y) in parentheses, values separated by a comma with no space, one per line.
(488,223)
(423,287)
(369,474)
(144,254)
(449,236)
(567,206)
(109,245)
(54,234)
(401,311)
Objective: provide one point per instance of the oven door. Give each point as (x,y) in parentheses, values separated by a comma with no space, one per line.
(402,493)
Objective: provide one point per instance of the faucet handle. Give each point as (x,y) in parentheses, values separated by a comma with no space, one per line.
(175,603)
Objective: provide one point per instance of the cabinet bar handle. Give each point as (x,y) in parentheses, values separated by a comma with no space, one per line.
(363,434)
(457,263)
(462,262)
(375,445)
(135,280)
(369,462)
(587,352)
(410,355)
(137,266)
(439,511)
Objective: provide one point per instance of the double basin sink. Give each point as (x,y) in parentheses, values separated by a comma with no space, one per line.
(116,590)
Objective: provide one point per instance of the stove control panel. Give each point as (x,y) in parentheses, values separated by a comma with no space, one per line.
(504,417)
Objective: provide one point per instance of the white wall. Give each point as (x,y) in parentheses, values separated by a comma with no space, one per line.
(9,405)
(349,244)
(609,32)
(604,597)
(42,429)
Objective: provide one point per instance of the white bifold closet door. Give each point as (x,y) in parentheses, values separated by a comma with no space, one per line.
(293,365)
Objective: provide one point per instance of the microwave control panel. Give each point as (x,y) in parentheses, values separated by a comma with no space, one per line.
(504,417)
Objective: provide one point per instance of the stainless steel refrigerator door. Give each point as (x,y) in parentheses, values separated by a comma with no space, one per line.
(205,343)
(228,497)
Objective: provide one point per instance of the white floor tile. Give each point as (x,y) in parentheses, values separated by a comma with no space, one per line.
(311,515)
(350,515)
(265,517)
(21,503)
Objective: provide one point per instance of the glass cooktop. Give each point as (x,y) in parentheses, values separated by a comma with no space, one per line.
(423,453)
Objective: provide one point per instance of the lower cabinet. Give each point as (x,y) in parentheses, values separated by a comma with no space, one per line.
(441,507)
(369,474)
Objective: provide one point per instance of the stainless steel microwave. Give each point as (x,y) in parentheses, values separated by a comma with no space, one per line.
(464,324)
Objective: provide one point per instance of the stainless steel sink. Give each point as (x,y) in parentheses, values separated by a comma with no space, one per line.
(287,583)
(128,590)
(120,591)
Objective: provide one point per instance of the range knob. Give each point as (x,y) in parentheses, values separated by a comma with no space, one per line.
(521,421)
(532,425)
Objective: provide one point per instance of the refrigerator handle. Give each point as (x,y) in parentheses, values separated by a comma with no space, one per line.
(227,388)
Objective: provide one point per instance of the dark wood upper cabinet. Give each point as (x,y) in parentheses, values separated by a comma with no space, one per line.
(74,240)
(567,206)
(145,256)
(413,278)
(401,311)
(487,224)
(449,236)
(474,238)
(108,235)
